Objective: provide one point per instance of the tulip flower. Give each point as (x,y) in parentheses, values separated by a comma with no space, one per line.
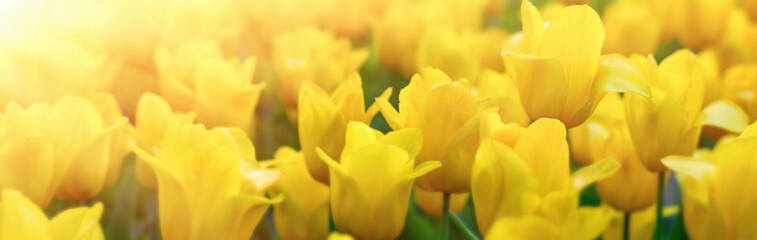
(397,34)
(324,60)
(605,135)
(374,178)
(528,174)
(560,73)
(700,23)
(630,28)
(120,138)
(304,213)
(641,226)
(322,120)
(23,220)
(431,202)
(724,210)
(196,76)
(209,183)
(153,117)
(451,137)
(443,49)
(496,90)
(738,84)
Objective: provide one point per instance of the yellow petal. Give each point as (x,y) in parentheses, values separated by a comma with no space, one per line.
(525,227)
(24,159)
(21,219)
(575,39)
(348,98)
(347,197)
(358,135)
(617,74)
(588,222)
(409,139)
(690,167)
(557,207)
(412,96)
(595,172)
(541,83)
(390,114)
(726,115)
(78,223)
(533,26)
(235,217)
(734,161)
(318,125)
(543,148)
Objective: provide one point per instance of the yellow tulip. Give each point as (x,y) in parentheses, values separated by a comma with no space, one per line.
(374,177)
(669,122)
(560,73)
(324,60)
(153,117)
(631,29)
(496,90)
(710,64)
(112,115)
(339,236)
(451,137)
(431,202)
(24,142)
(715,184)
(350,19)
(322,120)
(304,213)
(642,224)
(700,23)
(209,183)
(581,223)
(397,34)
(196,76)
(21,219)
(751,9)
(740,87)
(529,174)
(605,135)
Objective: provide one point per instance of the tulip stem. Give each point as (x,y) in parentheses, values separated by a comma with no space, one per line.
(626,224)
(659,232)
(444,227)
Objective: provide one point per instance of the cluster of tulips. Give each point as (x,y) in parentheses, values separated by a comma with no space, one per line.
(378,119)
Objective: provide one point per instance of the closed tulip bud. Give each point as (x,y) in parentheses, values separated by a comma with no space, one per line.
(153,117)
(83,137)
(24,142)
(560,73)
(209,183)
(304,213)
(667,122)
(23,220)
(431,202)
(633,187)
(631,29)
(322,120)
(324,60)
(700,23)
(450,137)
(374,178)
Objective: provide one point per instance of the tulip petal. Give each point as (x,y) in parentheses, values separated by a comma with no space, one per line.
(348,98)
(357,136)
(525,227)
(21,219)
(409,139)
(750,130)
(575,39)
(319,125)
(533,27)
(543,147)
(78,223)
(24,159)
(595,172)
(374,108)
(588,222)
(617,74)
(460,155)
(235,217)
(558,206)
(726,115)
(390,114)
(347,197)
(734,165)
(541,83)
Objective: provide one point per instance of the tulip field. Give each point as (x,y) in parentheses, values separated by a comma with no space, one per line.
(378,119)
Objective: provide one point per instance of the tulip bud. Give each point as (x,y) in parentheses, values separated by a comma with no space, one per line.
(22,219)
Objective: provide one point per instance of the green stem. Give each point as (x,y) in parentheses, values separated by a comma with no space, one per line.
(461,226)
(444,227)
(659,232)
(626,224)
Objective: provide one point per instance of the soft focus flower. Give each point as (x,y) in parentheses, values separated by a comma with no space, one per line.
(751,9)
(323,60)
(642,223)
(461,55)
(450,137)
(431,202)
(397,34)
(21,219)
(494,90)
(525,171)
(210,185)
(740,87)
(699,23)
(630,28)
(561,74)
(154,116)
(322,120)
(304,213)
(605,135)
(120,137)
(724,208)
(374,178)
(196,76)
